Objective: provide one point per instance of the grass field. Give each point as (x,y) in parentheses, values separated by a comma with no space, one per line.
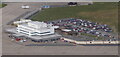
(3,5)
(101,12)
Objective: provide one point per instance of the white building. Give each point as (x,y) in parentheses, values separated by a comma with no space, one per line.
(35,28)
(21,21)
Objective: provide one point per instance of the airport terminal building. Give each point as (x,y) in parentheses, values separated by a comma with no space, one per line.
(35,28)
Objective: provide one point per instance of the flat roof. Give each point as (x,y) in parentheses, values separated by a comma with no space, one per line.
(37,23)
(40,29)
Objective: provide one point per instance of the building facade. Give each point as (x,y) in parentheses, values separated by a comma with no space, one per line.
(35,28)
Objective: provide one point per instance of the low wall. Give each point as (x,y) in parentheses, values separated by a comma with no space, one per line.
(91,42)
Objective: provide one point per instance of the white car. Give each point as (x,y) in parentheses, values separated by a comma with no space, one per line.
(25,6)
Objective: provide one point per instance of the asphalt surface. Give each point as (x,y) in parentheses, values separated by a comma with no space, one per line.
(13,10)
(0,31)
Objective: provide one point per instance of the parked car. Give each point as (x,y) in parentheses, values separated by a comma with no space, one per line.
(25,6)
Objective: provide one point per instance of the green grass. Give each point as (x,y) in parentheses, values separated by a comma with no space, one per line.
(94,36)
(90,35)
(3,5)
(101,12)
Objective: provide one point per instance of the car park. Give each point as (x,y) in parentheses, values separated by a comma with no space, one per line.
(84,26)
